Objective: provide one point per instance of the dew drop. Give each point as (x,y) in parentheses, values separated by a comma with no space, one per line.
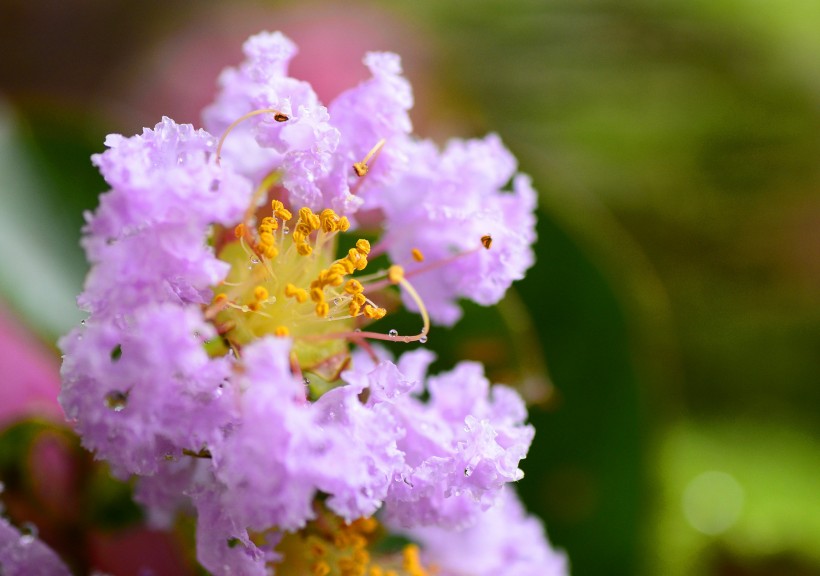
(468,471)
(285,229)
(116,400)
(423,339)
(306,381)
(337,301)
(28,533)
(170,457)
(254,260)
(393,333)
(82,322)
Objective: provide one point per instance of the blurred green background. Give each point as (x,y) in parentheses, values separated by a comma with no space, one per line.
(669,334)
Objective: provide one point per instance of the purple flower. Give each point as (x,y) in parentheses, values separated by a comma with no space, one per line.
(22,554)
(142,391)
(147,239)
(446,205)
(505,540)
(215,363)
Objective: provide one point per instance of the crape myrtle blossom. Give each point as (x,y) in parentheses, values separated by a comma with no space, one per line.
(217,361)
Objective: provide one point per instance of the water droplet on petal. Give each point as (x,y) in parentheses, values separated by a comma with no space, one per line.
(358,330)
(306,381)
(337,301)
(170,457)
(393,333)
(82,322)
(423,339)
(116,400)
(28,533)
(254,260)
(468,471)
(285,229)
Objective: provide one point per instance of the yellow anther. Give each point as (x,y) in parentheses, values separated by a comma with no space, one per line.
(266,239)
(284,214)
(354,309)
(321,568)
(292,291)
(239,231)
(365,525)
(280,117)
(353,255)
(318,549)
(353,286)
(349,267)
(220,298)
(322,309)
(260,293)
(417,255)
(359,299)
(361,264)
(270,252)
(412,562)
(317,295)
(363,246)
(281,331)
(335,279)
(266,229)
(487,241)
(310,220)
(374,313)
(337,268)
(395,274)
(276,205)
(344,224)
(270,221)
(360,168)
(304,249)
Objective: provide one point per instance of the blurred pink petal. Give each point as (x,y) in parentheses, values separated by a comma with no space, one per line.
(31,374)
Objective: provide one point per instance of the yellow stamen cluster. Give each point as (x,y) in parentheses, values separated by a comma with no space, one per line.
(334,275)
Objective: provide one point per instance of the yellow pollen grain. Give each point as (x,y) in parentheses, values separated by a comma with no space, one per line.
(417,255)
(260,293)
(282,331)
(321,568)
(395,274)
(363,246)
(487,241)
(360,168)
(220,298)
(374,313)
(353,286)
(317,295)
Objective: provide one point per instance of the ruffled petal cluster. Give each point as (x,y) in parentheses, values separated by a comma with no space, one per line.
(206,315)
(505,540)
(25,555)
